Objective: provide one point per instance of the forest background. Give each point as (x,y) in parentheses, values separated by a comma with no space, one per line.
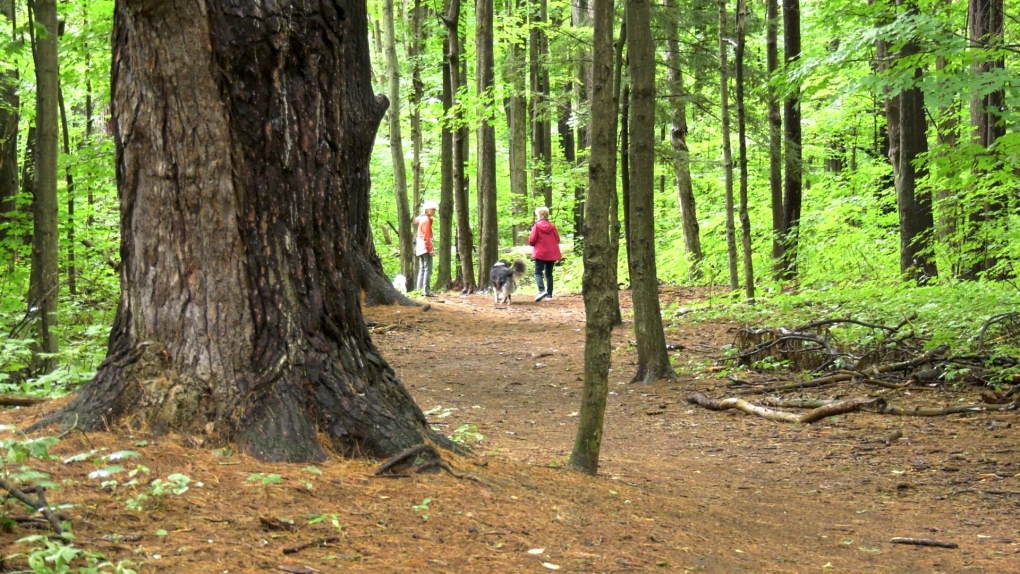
(891,193)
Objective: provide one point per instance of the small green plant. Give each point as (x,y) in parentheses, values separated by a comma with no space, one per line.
(48,556)
(423,508)
(332,518)
(176,484)
(466,433)
(265,479)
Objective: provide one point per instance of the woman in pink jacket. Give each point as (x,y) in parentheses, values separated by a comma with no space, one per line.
(545,243)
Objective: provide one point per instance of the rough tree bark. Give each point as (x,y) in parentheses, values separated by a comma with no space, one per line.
(443,273)
(581,15)
(596,287)
(243,137)
(653,360)
(465,241)
(517,121)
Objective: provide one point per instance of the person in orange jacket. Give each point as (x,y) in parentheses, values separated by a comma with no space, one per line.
(545,243)
(423,247)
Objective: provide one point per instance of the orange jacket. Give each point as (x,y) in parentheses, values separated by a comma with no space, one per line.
(423,235)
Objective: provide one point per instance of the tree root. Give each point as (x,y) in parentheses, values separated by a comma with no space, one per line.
(420,459)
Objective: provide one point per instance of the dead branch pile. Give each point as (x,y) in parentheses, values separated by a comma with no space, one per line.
(892,359)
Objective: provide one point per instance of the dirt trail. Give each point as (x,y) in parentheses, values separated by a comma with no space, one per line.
(680,489)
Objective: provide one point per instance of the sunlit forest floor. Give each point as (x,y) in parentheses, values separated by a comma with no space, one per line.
(680,488)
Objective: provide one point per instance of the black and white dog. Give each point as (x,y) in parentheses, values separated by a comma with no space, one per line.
(504,279)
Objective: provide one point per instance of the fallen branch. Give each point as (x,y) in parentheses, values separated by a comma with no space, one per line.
(319,542)
(17,401)
(809,417)
(887,409)
(39,504)
(924,542)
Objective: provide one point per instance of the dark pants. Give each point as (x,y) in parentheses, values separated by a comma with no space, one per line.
(544,268)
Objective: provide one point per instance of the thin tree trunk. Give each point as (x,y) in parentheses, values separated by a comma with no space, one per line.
(460,197)
(614,200)
(488,238)
(678,140)
(545,94)
(745,220)
(397,144)
(72,280)
(946,204)
(237,318)
(625,178)
(794,163)
(597,288)
(518,125)
(775,118)
(446,201)
(653,360)
(10,105)
(44,207)
(417,97)
(724,112)
(581,15)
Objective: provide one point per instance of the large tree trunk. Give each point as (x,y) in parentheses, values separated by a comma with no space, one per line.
(45,246)
(9,108)
(488,236)
(243,138)
(775,139)
(986,118)
(678,140)
(745,220)
(792,183)
(653,360)
(727,152)
(917,224)
(397,144)
(596,283)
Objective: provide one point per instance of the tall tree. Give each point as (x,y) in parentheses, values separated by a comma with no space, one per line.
(541,133)
(745,220)
(724,112)
(488,236)
(917,261)
(653,360)
(678,141)
(987,108)
(236,318)
(45,245)
(417,97)
(10,105)
(460,195)
(517,121)
(775,138)
(581,16)
(446,200)
(597,287)
(397,144)
(792,182)
(72,270)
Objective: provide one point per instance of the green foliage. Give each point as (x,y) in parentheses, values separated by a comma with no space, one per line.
(422,508)
(48,556)
(466,433)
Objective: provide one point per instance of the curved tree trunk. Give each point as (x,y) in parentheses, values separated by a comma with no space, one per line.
(243,140)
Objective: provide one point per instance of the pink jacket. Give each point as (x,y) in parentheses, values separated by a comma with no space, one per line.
(545,241)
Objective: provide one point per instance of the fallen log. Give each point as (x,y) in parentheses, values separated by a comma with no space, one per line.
(924,542)
(814,415)
(19,401)
(887,409)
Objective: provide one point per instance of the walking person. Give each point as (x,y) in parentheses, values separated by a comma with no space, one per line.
(545,243)
(423,247)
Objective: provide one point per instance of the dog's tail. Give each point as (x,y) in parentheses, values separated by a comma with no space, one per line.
(519,268)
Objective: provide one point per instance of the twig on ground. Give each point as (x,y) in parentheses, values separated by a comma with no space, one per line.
(318,542)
